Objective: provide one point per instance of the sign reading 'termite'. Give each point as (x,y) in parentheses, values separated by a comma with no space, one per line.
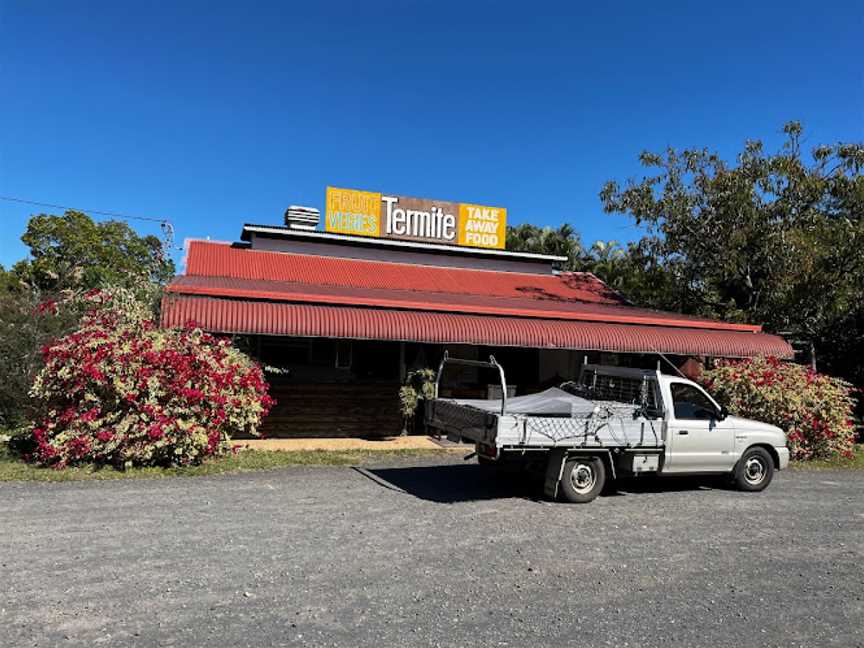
(368,213)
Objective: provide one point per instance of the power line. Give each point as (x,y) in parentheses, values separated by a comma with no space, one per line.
(81,209)
(164,224)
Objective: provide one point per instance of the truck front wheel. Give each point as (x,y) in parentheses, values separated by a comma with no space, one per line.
(754,470)
(583,479)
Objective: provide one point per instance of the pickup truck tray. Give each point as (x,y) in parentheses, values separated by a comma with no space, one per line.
(586,423)
(551,418)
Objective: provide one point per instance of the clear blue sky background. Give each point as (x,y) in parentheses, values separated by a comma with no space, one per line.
(212,114)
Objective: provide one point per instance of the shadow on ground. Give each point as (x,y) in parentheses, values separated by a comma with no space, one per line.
(470,482)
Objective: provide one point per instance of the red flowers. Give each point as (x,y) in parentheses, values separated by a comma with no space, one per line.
(47,306)
(157,396)
(814,409)
(90,415)
(77,447)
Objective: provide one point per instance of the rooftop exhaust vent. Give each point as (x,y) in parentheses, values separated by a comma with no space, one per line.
(302,218)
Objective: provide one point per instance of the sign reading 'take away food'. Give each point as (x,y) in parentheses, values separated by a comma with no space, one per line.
(367,213)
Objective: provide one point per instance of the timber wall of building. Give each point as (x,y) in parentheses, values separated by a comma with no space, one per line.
(334,410)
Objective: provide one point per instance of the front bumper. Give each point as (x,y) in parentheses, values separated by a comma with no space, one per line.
(783,455)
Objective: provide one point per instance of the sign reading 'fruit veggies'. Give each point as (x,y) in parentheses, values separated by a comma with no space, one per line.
(369,213)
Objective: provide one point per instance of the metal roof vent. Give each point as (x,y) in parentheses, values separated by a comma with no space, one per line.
(302,218)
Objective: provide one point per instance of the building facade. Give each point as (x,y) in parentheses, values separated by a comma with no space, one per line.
(344,318)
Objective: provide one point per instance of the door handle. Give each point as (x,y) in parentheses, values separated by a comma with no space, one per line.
(683,432)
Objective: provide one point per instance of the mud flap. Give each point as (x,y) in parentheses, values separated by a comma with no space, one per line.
(554,468)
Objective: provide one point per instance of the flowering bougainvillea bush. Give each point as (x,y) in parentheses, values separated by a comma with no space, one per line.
(121,391)
(815,410)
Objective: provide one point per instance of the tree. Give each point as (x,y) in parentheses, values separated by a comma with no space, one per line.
(27,323)
(774,239)
(39,296)
(564,241)
(631,271)
(74,252)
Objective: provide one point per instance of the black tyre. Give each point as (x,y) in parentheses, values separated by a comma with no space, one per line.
(754,470)
(583,479)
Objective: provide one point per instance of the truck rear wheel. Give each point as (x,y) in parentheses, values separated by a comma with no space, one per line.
(583,479)
(754,470)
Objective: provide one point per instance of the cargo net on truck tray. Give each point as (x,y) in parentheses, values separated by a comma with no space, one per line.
(571,414)
(595,423)
(616,410)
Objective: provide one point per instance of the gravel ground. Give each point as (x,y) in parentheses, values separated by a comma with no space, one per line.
(427,554)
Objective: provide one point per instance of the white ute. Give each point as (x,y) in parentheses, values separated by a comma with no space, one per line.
(611,422)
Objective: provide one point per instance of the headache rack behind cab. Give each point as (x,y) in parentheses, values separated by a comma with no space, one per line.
(457,420)
(621,385)
(492,364)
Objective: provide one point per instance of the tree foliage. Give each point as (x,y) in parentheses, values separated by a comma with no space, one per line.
(631,270)
(40,297)
(73,251)
(776,238)
(563,241)
(27,323)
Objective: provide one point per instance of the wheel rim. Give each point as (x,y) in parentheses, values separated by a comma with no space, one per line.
(754,470)
(582,478)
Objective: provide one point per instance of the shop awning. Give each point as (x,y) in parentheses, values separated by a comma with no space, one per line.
(235,290)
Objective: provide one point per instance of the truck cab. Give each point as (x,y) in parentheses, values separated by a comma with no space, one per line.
(701,437)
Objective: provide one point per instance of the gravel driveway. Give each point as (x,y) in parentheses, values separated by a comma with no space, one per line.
(430,554)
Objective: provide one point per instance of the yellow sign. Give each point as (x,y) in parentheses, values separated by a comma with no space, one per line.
(367,213)
(353,212)
(481,226)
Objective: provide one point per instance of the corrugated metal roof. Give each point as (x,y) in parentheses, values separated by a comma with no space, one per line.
(316,320)
(523,306)
(220,270)
(221,260)
(238,290)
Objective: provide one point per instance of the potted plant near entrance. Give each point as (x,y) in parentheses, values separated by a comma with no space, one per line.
(419,386)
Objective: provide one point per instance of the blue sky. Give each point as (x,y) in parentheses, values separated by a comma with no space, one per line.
(213,114)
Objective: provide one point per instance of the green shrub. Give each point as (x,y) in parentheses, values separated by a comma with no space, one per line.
(28,320)
(419,386)
(813,409)
(121,391)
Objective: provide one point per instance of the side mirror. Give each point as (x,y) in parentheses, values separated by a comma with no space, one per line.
(723,413)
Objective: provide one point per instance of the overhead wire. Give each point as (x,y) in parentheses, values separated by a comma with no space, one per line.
(164,224)
(81,209)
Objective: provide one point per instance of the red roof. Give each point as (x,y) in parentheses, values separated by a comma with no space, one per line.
(207,259)
(235,289)
(313,320)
